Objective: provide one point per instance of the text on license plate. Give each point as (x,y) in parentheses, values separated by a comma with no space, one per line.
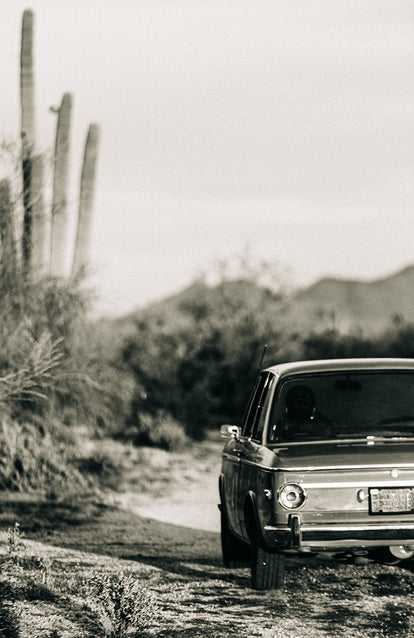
(386,500)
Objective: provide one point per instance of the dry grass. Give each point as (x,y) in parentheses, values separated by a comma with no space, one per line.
(90,569)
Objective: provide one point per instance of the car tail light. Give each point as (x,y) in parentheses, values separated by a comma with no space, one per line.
(292,496)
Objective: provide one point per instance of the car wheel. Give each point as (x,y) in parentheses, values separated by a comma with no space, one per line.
(235,552)
(391,555)
(384,556)
(268,568)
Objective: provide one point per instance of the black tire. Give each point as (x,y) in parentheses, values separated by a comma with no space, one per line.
(268,568)
(235,552)
(384,556)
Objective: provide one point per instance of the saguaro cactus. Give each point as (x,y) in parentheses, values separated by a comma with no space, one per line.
(39,260)
(7,241)
(87,187)
(41,253)
(60,219)
(27,85)
(32,166)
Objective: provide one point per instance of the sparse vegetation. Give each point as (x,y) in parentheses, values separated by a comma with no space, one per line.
(115,603)
(123,606)
(159,429)
(88,571)
(71,392)
(55,376)
(202,363)
(196,357)
(196,364)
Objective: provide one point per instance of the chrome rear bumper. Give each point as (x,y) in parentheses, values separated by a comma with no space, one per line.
(297,536)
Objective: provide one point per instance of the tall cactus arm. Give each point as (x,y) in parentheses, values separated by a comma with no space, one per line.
(27,85)
(27,131)
(87,187)
(7,244)
(60,219)
(5,206)
(39,230)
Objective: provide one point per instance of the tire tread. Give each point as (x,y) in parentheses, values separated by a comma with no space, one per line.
(268,569)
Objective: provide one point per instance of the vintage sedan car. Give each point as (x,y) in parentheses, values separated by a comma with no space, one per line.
(323,461)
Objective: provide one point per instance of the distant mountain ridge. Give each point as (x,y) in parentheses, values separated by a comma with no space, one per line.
(369,305)
(343,304)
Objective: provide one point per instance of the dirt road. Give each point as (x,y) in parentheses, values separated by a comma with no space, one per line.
(162,527)
(188,493)
(323,596)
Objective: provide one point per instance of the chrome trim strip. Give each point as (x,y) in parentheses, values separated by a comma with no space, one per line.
(231,457)
(343,528)
(357,528)
(280,528)
(359,484)
(317,468)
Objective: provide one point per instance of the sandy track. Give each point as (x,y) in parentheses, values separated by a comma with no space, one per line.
(188,495)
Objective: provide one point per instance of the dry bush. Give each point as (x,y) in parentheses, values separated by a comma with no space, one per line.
(32,459)
(123,606)
(158,430)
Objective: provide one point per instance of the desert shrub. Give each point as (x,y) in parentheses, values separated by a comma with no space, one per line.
(35,338)
(53,359)
(9,620)
(28,367)
(396,341)
(124,607)
(91,385)
(101,467)
(34,459)
(197,357)
(332,344)
(57,369)
(200,364)
(158,430)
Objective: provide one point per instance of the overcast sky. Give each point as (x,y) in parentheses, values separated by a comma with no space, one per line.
(284,126)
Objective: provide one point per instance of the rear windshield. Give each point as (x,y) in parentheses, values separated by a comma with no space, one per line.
(335,406)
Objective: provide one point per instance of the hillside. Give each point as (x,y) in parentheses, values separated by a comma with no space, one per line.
(194,301)
(330,302)
(369,305)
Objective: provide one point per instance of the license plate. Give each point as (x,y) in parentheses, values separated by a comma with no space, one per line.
(387,501)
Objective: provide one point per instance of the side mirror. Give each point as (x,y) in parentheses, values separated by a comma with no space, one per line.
(230,431)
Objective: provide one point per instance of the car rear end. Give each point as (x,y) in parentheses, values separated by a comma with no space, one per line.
(342,508)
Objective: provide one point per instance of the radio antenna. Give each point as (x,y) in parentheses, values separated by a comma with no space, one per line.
(262,357)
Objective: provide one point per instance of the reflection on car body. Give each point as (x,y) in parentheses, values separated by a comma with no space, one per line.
(324,461)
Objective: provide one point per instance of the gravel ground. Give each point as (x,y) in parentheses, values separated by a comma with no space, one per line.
(162,528)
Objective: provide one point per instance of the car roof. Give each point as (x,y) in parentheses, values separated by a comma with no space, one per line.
(340,365)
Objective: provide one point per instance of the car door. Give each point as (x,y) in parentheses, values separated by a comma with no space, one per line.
(232,455)
(245,450)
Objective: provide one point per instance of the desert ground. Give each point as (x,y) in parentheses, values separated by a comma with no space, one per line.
(160,529)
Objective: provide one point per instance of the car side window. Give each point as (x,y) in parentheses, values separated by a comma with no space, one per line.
(263,409)
(255,406)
